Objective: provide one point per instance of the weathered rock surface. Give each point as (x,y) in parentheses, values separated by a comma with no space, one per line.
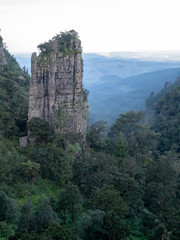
(56,91)
(23,141)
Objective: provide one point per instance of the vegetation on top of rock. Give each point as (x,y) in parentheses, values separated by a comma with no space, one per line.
(45,48)
(66,43)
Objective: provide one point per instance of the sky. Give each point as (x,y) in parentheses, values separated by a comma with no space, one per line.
(102,25)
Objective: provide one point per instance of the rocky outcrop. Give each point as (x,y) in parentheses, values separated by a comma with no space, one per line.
(23,142)
(56,91)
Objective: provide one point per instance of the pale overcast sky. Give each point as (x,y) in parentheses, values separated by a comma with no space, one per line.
(103,25)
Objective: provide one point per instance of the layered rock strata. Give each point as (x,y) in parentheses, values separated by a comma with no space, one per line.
(56,91)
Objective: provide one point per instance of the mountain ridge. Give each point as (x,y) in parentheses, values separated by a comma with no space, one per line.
(108,101)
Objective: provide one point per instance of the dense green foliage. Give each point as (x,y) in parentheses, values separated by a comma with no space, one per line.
(14,83)
(167,112)
(65,44)
(121,184)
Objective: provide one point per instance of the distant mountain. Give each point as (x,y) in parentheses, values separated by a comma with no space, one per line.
(111,98)
(97,66)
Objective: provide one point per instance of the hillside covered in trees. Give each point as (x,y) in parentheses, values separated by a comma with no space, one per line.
(121,183)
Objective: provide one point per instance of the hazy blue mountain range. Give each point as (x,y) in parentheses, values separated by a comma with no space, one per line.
(97,66)
(111,98)
(120,82)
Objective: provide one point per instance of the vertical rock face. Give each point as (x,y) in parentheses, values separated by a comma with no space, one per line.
(56,91)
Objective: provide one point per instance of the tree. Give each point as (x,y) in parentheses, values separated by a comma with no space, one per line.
(69,202)
(30,170)
(154,229)
(96,135)
(106,219)
(45,48)
(161,186)
(121,148)
(6,230)
(128,124)
(115,227)
(129,190)
(94,170)
(53,232)
(10,160)
(56,231)
(142,141)
(8,209)
(56,163)
(1,39)
(108,199)
(8,124)
(45,215)
(150,100)
(39,129)
(26,220)
(25,69)
(91,225)
(167,117)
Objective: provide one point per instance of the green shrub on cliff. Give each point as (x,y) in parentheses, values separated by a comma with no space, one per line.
(65,44)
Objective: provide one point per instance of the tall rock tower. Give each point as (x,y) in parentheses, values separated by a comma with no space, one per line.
(56,91)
